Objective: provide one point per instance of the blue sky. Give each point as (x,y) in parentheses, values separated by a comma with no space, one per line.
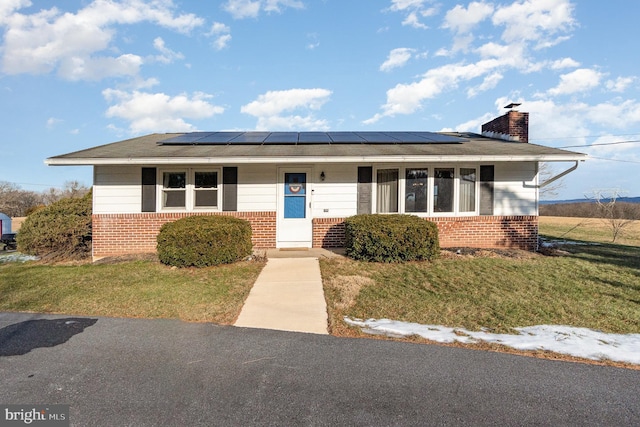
(76,74)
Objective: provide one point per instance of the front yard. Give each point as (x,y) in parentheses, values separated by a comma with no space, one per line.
(144,289)
(588,285)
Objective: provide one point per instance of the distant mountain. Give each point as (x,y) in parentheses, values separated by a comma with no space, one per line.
(619,199)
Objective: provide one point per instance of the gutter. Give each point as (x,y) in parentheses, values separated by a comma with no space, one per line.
(558,176)
(61,161)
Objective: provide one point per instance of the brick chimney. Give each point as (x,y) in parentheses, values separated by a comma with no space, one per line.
(513,126)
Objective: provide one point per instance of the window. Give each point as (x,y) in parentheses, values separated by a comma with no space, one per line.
(174,189)
(190,189)
(387,191)
(467,190)
(443,190)
(206,189)
(415,190)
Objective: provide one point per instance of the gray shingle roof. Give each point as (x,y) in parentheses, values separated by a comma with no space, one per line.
(261,147)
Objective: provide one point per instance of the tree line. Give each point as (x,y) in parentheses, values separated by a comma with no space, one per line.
(15,201)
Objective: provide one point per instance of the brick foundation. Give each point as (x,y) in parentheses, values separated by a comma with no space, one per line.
(476,231)
(118,234)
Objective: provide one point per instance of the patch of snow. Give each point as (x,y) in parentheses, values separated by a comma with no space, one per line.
(553,243)
(578,342)
(17,257)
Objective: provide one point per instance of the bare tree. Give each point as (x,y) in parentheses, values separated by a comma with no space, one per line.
(70,189)
(546,172)
(616,215)
(15,201)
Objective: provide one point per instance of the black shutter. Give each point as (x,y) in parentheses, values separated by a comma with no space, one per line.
(365,176)
(486,189)
(230,189)
(148,189)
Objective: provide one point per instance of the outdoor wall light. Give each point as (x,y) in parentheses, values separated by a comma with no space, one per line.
(322,176)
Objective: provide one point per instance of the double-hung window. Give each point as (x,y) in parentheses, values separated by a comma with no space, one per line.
(190,189)
(174,189)
(205,189)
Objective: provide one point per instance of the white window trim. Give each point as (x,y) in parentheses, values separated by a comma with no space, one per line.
(431,167)
(189,189)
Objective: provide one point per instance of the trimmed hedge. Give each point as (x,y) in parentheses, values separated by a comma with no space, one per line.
(202,241)
(61,230)
(391,238)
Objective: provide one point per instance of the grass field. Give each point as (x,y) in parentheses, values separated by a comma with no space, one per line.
(593,286)
(588,229)
(143,289)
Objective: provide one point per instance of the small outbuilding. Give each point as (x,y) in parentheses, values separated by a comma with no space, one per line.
(297,188)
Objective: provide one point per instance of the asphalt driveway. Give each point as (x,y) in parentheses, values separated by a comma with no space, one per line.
(167,372)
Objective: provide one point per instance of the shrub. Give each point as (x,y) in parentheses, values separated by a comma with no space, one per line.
(391,238)
(61,230)
(202,241)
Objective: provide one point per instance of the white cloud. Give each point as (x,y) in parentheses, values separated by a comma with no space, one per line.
(271,108)
(462,20)
(157,112)
(241,9)
(222,35)
(96,68)
(559,64)
(52,122)
(397,58)
(489,82)
(524,25)
(620,84)
(167,55)
(314,43)
(535,20)
(414,10)
(407,98)
(580,80)
(47,40)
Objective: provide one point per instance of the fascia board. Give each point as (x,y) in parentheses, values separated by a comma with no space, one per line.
(312,159)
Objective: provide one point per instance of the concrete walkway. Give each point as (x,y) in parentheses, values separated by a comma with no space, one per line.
(288,294)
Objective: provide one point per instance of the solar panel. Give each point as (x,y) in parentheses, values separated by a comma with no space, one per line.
(378,137)
(219,137)
(440,138)
(250,138)
(187,138)
(282,138)
(291,138)
(314,138)
(345,137)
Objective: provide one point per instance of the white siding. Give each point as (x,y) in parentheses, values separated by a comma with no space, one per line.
(117,189)
(336,196)
(257,188)
(514,190)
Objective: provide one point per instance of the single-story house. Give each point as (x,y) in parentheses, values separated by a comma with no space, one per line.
(296,188)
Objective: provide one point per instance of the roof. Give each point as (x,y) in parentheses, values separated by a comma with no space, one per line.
(311,147)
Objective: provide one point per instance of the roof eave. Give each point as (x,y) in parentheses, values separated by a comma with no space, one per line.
(63,161)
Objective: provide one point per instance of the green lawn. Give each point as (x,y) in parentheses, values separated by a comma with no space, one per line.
(593,286)
(128,289)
